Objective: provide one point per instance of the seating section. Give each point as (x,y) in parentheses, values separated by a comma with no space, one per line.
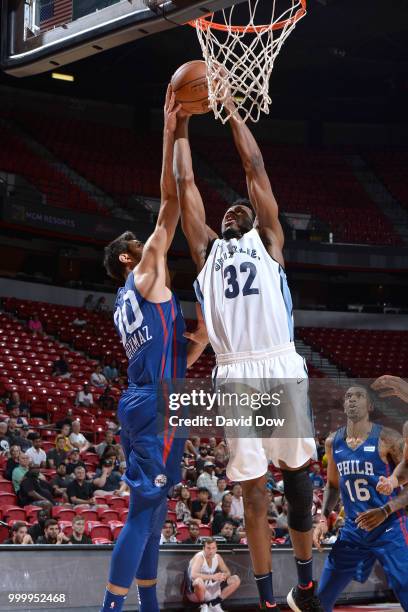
(309,181)
(391,168)
(56,187)
(361,353)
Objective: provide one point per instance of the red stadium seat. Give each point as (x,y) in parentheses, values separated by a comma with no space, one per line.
(107,515)
(101,541)
(7,499)
(63,514)
(14,513)
(101,531)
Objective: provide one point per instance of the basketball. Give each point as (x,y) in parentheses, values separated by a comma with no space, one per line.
(189,83)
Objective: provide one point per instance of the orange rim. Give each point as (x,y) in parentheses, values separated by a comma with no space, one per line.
(204,24)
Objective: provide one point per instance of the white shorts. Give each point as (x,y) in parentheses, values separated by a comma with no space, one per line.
(279,368)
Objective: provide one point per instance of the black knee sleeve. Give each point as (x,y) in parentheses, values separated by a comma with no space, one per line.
(299,495)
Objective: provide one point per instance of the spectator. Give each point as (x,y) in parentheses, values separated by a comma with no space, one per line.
(203,457)
(12,461)
(209,579)
(192,446)
(89,302)
(36,454)
(220,464)
(13,431)
(80,490)
(194,534)
(219,493)
(19,534)
(237,504)
(320,448)
(109,442)
(188,471)
(52,534)
(15,412)
(84,397)
(14,402)
(60,482)
(35,491)
(65,432)
(74,461)
(107,480)
(101,305)
(98,380)
(316,477)
(4,440)
(228,533)
(183,506)
(60,367)
(110,371)
(77,439)
(223,515)
(57,455)
(78,531)
(208,479)
(20,471)
(37,529)
(201,507)
(22,440)
(34,324)
(106,399)
(168,534)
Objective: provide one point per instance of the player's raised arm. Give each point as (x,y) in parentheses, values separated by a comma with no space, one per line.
(151,272)
(193,221)
(331,494)
(258,183)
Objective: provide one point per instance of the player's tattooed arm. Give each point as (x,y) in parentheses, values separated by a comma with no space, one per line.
(193,220)
(258,183)
(393,446)
(331,494)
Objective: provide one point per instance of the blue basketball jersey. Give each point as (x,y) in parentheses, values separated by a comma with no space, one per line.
(152,335)
(359,471)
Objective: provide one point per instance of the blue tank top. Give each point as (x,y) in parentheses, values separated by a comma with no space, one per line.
(359,471)
(152,335)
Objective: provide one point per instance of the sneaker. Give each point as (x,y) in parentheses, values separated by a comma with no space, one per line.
(204,608)
(268,606)
(304,600)
(216,608)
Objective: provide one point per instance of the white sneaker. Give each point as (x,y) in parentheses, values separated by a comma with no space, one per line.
(216,608)
(204,608)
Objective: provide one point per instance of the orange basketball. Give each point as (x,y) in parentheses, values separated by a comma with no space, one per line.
(189,83)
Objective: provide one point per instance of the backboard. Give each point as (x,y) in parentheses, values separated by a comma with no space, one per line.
(42,35)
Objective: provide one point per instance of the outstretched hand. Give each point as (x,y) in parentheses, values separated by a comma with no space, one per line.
(391,386)
(370,519)
(385,486)
(170,110)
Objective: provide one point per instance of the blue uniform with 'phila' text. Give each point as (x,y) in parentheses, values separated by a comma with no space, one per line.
(152,336)
(354,553)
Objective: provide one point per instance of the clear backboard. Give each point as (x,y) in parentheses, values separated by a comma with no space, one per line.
(41,35)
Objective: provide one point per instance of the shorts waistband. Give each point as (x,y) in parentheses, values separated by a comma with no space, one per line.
(276,351)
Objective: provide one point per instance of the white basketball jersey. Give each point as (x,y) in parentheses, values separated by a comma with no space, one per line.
(244,296)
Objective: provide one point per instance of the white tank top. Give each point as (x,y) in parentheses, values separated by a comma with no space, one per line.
(244,296)
(205,568)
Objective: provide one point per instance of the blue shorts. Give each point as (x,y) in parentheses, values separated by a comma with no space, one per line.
(354,554)
(152,449)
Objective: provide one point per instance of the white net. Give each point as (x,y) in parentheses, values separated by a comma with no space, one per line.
(240,59)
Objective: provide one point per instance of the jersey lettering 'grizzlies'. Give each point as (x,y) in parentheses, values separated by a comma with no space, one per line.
(359,471)
(152,335)
(244,296)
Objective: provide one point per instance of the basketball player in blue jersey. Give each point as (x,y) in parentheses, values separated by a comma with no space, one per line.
(150,323)
(376,526)
(247,309)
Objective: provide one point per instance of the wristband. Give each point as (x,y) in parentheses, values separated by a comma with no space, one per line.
(386,510)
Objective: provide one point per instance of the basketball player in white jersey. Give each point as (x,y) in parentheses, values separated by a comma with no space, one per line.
(247,309)
(209,580)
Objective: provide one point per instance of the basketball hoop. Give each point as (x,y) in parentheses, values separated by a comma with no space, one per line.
(240,58)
